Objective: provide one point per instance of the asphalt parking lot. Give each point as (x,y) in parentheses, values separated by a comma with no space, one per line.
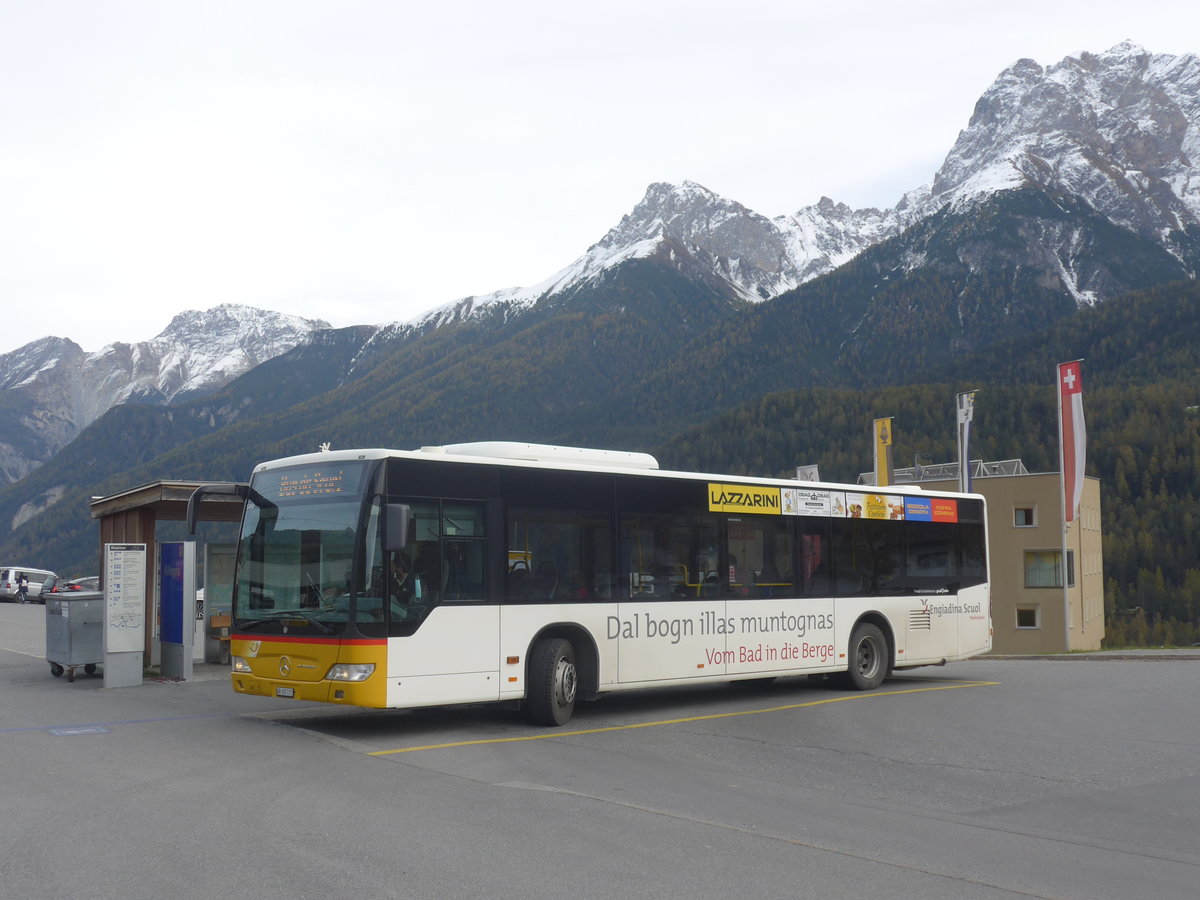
(1064,778)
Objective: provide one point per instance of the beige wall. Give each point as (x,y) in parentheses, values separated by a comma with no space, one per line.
(1009,544)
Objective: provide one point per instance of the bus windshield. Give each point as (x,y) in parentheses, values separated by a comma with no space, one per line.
(296,572)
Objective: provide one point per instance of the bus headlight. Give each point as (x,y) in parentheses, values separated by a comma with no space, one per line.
(351,672)
(240,665)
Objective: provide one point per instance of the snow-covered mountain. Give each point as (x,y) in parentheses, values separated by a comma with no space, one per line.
(54,389)
(756,257)
(1119,131)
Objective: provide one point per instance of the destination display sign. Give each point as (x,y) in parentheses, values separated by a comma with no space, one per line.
(316,482)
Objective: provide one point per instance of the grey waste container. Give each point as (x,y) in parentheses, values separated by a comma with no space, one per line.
(74,635)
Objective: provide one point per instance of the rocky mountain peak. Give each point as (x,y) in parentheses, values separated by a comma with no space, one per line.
(199,350)
(1119,129)
(231,322)
(58,389)
(23,364)
(694,215)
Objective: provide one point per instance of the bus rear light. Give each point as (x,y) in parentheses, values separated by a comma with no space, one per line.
(351,672)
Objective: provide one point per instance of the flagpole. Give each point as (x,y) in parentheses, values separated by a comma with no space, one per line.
(1062,505)
(965,401)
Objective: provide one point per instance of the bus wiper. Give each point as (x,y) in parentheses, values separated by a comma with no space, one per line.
(316,587)
(245,625)
(287,614)
(312,620)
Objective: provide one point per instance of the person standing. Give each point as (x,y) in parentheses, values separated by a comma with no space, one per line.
(23,587)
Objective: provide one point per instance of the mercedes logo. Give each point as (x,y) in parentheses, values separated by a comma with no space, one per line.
(285,666)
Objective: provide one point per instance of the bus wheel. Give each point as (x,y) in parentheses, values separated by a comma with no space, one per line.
(553,681)
(868,658)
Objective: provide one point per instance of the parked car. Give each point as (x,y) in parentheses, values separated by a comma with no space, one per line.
(49,586)
(56,585)
(11,575)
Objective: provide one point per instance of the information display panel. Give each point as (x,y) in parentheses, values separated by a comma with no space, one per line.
(124,597)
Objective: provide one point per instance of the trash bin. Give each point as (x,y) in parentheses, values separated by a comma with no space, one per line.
(74,632)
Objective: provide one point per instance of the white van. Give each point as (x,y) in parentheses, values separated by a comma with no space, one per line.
(11,575)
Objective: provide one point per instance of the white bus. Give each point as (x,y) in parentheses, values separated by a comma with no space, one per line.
(505,571)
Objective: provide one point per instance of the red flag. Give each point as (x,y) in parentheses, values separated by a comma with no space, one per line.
(1072,436)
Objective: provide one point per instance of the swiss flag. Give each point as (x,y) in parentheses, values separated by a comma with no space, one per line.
(1072,436)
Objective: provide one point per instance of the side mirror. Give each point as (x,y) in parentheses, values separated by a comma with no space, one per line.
(398,517)
(225,489)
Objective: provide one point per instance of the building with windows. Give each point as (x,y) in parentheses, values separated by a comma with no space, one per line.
(1031,610)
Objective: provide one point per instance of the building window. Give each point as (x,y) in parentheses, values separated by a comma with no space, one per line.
(1043,568)
(1029,616)
(1023,517)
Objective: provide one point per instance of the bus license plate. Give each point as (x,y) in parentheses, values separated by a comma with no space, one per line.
(285,692)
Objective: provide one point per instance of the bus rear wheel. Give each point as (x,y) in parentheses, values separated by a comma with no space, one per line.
(868,658)
(553,682)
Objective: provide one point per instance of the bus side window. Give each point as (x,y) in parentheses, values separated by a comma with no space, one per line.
(578,587)
(547,546)
(427,567)
(815,558)
(660,553)
(515,586)
(754,545)
(545,581)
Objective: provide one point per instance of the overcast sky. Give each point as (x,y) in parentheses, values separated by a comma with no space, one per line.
(363,162)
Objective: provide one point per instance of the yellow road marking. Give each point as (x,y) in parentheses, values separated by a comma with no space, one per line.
(728,715)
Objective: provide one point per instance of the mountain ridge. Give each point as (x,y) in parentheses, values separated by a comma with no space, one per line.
(1070,128)
(52,389)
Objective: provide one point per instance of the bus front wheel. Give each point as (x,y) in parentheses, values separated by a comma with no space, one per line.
(868,658)
(553,682)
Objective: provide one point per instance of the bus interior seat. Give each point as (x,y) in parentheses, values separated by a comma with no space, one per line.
(545,581)
(516,584)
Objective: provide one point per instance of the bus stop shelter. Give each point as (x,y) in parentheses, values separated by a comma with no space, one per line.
(131,517)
